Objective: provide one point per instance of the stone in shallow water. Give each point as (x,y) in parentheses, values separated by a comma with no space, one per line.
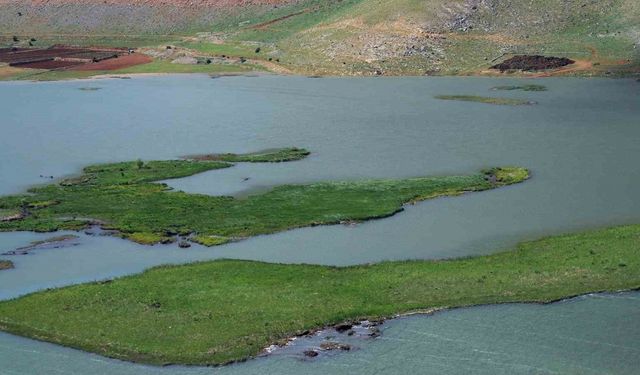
(332,345)
(310,353)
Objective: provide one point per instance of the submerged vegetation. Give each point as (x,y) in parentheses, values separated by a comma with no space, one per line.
(486,100)
(227,310)
(123,197)
(520,87)
(267,156)
(5,264)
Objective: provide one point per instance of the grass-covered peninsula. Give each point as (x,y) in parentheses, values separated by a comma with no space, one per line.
(226,310)
(126,198)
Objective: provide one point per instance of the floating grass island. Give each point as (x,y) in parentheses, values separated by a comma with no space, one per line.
(6,265)
(126,199)
(486,100)
(223,311)
(520,87)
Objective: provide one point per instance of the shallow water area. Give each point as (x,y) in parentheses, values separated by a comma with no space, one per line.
(580,141)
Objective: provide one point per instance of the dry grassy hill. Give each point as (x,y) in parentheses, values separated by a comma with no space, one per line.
(348,36)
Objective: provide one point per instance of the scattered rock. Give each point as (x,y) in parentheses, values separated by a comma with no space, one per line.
(184,245)
(343,327)
(310,353)
(15,217)
(185,60)
(332,345)
(374,332)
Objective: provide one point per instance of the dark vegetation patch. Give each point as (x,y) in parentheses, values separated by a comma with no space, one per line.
(520,87)
(532,63)
(486,100)
(229,310)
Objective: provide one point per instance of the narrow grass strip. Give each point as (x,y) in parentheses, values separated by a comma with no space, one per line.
(486,100)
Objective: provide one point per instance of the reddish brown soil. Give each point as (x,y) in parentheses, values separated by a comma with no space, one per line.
(37,54)
(61,57)
(49,64)
(120,62)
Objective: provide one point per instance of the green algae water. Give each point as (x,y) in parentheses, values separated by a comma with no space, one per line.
(580,141)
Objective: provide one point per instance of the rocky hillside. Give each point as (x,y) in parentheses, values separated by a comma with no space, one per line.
(349,36)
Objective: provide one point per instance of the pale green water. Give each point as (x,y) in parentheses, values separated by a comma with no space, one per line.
(581,143)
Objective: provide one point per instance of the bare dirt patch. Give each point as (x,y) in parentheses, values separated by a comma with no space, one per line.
(120,62)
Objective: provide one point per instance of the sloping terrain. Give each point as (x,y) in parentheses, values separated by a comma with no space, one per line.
(350,36)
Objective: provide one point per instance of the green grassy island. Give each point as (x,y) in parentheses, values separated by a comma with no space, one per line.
(125,198)
(222,311)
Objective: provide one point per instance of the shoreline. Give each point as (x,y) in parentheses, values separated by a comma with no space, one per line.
(106,77)
(566,72)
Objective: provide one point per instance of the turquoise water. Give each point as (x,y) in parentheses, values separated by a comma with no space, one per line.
(580,141)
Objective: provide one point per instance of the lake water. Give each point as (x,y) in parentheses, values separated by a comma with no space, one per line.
(581,142)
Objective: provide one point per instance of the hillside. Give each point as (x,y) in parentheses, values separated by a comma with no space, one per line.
(355,37)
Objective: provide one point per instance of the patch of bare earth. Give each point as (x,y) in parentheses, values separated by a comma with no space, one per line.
(120,62)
